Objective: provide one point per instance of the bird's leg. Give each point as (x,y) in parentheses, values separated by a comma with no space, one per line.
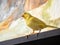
(39,30)
(38,33)
(33,31)
(27,36)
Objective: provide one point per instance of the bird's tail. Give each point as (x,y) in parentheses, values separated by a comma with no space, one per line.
(52,26)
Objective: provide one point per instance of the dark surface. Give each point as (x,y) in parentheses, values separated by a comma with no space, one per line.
(42,37)
(55,40)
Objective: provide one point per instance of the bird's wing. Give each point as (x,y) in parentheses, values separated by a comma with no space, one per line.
(37,20)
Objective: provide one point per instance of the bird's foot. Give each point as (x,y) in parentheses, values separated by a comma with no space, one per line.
(38,32)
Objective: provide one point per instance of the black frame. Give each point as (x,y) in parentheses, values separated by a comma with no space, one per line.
(55,40)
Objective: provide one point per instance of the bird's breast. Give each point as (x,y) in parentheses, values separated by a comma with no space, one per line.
(33,25)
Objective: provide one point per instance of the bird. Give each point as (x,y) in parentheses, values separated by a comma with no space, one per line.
(34,23)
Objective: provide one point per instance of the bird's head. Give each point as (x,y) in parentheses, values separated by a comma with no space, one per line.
(26,15)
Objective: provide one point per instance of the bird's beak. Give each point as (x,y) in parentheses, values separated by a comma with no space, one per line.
(22,16)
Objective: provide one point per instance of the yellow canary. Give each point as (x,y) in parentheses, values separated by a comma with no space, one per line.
(34,23)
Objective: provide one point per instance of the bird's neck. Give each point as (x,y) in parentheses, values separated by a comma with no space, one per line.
(27,18)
